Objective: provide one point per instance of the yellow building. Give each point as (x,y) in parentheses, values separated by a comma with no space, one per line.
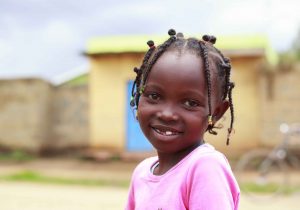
(112,60)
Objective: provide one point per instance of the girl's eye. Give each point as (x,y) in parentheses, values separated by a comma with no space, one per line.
(191,103)
(153,96)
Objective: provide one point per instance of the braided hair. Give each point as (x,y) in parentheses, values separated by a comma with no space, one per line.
(203,48)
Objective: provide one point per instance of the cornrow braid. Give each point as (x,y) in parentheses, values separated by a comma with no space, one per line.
(151,45)
(230,129)
(228,91)
(226,66)
(204,54)
(147,65)
(136,83)
(161,49)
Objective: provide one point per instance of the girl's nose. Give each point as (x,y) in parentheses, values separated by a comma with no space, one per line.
(167,114)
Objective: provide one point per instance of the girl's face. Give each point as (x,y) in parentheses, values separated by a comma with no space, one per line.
(173,109)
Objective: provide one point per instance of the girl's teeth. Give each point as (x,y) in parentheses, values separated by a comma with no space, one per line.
(168,133)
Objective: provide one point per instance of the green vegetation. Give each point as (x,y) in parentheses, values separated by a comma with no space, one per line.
(16,155)
(267,189)
(81,80)
(31,176)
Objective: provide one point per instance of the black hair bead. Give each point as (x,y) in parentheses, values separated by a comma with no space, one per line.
(206,38)
(150,43)
(172,32)
(213,39)
(136,70)
(132,103)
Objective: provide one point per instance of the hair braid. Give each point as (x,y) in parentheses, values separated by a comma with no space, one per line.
(139,72)
(204,53)
(155,57)
(228,93)
(148,54)
(230,129)
(147,65)
(226,66)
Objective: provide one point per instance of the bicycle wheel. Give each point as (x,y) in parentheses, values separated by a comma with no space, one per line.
(260,176)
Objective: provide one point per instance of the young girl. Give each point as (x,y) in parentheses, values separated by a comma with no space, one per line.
(181,90)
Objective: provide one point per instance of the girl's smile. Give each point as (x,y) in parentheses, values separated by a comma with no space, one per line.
(166,130)
(166,133)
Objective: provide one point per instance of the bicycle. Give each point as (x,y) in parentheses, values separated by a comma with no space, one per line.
(264,173)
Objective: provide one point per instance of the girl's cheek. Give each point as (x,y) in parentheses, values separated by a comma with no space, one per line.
(143,108)
(142,101)
(141,105)
(144,104)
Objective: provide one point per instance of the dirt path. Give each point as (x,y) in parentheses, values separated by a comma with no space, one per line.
(28,196)
(290,202)
(72,168)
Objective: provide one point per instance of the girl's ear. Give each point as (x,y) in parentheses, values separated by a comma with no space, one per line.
(220,110)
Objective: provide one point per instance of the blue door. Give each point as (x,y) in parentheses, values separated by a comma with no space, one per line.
(136,141)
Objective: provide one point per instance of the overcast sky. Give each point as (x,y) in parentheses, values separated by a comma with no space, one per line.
(45,37)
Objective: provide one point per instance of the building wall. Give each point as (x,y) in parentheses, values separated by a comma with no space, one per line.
(24,110)
(108,80)
(35,116)
(69,119)
(280,103)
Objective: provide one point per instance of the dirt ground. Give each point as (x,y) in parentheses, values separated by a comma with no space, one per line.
(30,196)
(34,196)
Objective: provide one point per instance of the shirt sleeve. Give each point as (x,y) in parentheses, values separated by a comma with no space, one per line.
(131,198)
(211,185)
(130,201)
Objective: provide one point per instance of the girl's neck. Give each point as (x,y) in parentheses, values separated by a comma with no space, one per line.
(168,160)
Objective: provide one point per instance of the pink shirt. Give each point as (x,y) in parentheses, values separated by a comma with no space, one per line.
(203,180)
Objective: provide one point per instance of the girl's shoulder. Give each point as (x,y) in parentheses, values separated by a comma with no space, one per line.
(206,154)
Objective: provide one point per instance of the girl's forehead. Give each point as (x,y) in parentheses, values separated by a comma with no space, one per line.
(184,70)
(180,58)
(186,63)
(187,55)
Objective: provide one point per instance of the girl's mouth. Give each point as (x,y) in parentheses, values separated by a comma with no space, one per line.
(166,132)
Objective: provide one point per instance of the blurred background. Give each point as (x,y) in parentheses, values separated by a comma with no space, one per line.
(67,133)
